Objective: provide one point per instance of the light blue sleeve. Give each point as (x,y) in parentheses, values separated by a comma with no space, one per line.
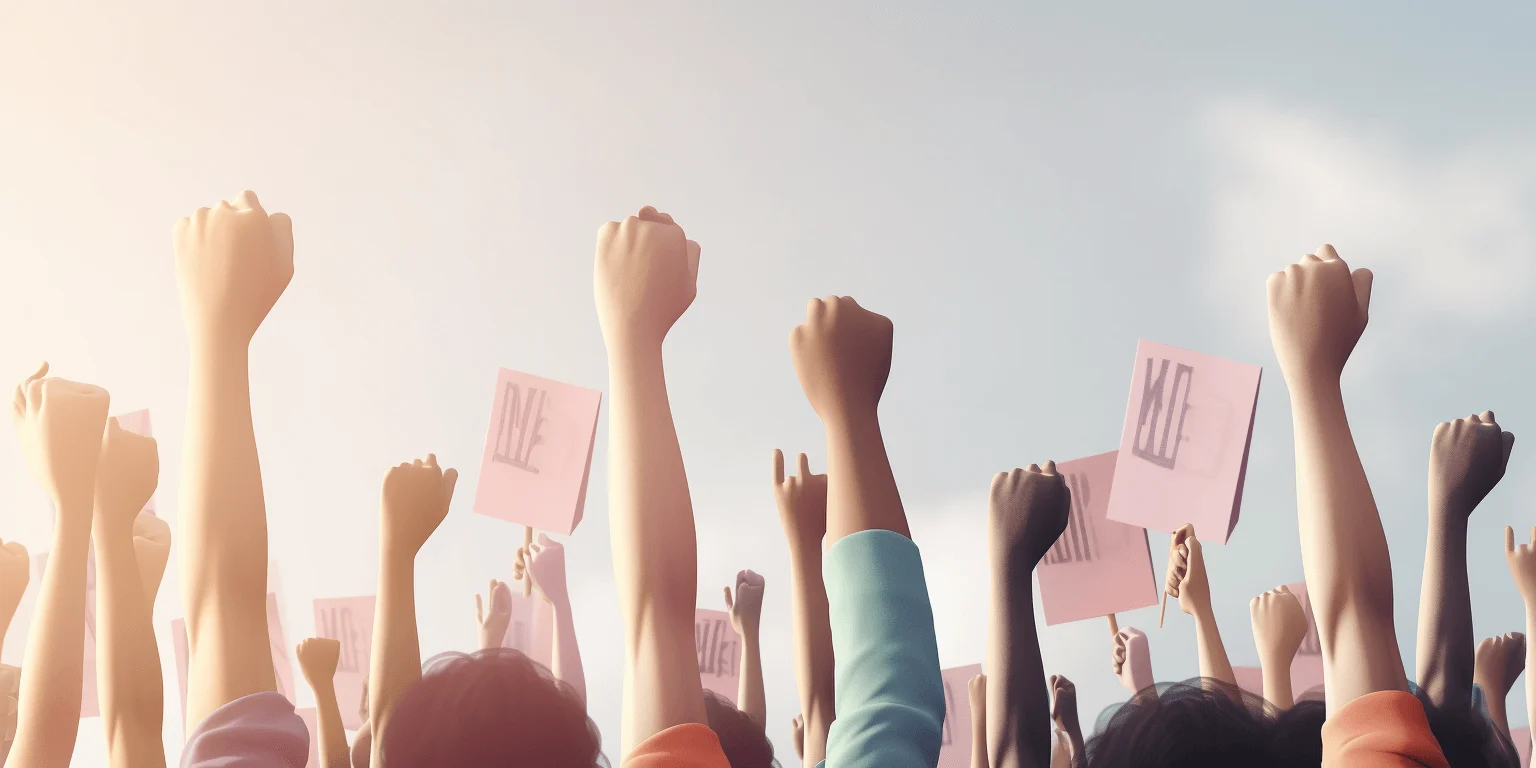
(890,696)
(256,731)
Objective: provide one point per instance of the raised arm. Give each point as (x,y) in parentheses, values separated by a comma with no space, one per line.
(547,565)
(1279,627)
(60,425)
(1187,581)
(746,611)
(493,625)
(890,695)
(318,657)
(1028,512)
(646,277)
(1522,565)
(232,264)
(1467,458)
(1500,660)
(977,690)
(130,689)
(15,574)
(416,499)
(1317,311)
(1131,659)
(802,503)
(1064,715)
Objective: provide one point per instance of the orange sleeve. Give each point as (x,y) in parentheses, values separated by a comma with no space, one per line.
(1386,729)
(682,746)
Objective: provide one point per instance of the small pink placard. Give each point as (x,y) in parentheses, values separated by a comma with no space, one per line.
(955,739)
(1184,444)
(1097,567)
(348,620)
(538,452)
(719,652)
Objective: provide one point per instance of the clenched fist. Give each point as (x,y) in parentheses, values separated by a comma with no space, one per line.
(60,425)
(842,354)
(15,573)
(1064,704)
(1279,625)
(1186,573)
(152,550)
(1131,658)
(232,263)
(646,277)
(1467,458)
(318,657)
(1027,513)
(544,560)
(802,502)
(126,477)
(746,609)
(416,498)
(1317,311)
(1500,660)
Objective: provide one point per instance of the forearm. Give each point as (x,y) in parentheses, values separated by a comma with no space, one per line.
(749,691)
(1214,664)
(1343,550)
(1018,704)
(654,550)
(1445,653)
(1530,664)
(1497,714)
(127,659)
(567,653)
(395,661)
(48,712)
(815,668)
(978,732)
(222,537)
(861,491)
(333,736)
(1277,682)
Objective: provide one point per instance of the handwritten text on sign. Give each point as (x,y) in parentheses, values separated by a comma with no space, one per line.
(719,649)
(538,452)
(349,621)
(1097,567)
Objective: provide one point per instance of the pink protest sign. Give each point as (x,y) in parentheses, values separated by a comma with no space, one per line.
(719,652)
(532,629)
(1250,679)
(311,718)
(538,452)
(138,423)
(348,620)
(280,649)
(1184,445)
(1522,738)
(1097,567)
(955,740)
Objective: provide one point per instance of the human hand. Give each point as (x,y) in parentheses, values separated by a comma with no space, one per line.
(416,499)
(1317,311)
(797,733)
(1500,660)
(1279,625)
(318,657)
(1064,704)
(1467,458)
(493,627)
(232,263)
(1132,660)
(1522,565)
(802,502)
(747,609)
(545,561)
(842,354)
(15,574)
(1027,513)
(127,474)
(60,425)
(152,550)
(1186,573)
(646,277)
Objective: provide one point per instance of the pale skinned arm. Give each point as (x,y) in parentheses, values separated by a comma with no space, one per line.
(746,612)
(1187,581)
(15,574)
(1522,566)
(1499,661)
(977,690)
(1279,628)
(547,558)
(318,658)
(802,503)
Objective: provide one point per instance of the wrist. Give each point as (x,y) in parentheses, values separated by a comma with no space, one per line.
(626,349)
(73,520)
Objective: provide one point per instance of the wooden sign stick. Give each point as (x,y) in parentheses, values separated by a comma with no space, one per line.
(527,561)
(1114,626)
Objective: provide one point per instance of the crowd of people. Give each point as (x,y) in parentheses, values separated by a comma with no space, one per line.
(865,655)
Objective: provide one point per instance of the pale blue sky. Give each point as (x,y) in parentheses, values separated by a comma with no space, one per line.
(1024,192)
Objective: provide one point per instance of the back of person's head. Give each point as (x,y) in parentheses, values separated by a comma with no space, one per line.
(1297,734)
(1192,724)
(744,742)
(1467,736)
(493,707)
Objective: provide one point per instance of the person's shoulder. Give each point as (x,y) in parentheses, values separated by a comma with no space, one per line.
(1386,728)
(692,745)
(261,730)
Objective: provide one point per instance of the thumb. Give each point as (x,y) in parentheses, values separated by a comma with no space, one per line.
(730,604)
(1363,279)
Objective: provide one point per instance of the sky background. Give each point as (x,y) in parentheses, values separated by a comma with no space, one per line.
(1025,192)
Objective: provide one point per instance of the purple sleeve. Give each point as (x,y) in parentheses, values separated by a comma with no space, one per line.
(256,731)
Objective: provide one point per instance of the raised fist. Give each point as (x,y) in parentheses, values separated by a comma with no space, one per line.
(60,424)
(1027,513)
(1131,659)
(747,608)
(646,277)
(152,550)
(1064,704)
(1186,573)
(1500,660)
(416,498)
(842,353)
(1467,458)
(15,573)
(545,562)
(1317,311)
(1279,625)
(126,477)
(318,657)
(802,502)
(232,262)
